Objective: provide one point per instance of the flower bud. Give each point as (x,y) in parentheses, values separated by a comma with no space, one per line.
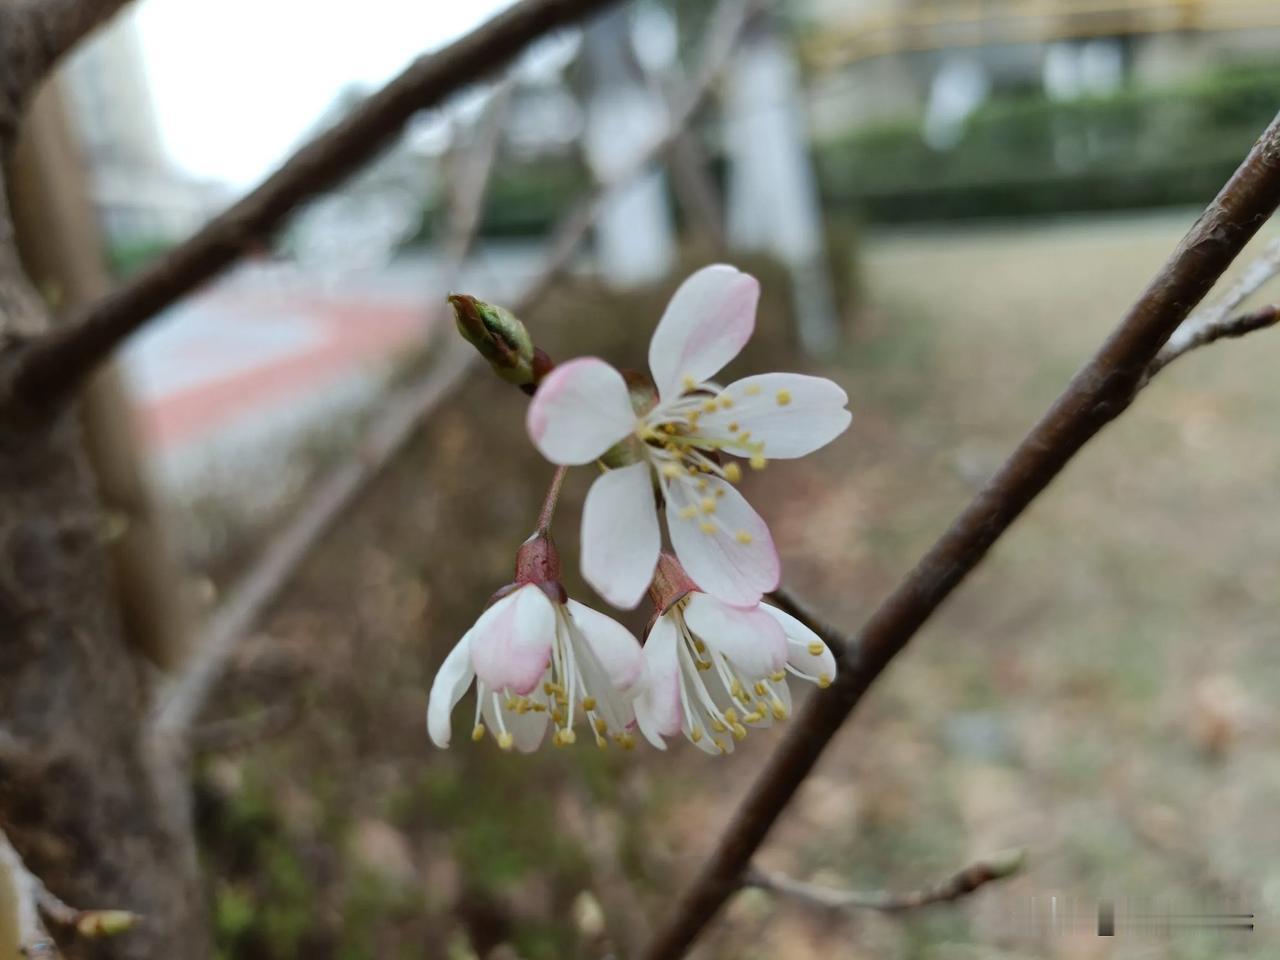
(499,336)
(92,924)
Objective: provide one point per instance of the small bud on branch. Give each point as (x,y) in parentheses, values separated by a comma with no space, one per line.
(500,338)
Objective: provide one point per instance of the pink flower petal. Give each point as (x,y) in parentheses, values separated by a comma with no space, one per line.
(790,413)
(511,642)
(732,557)
(620,536)
(581,409)
(709,319)
(658,711)
(614,646)
(800,640)
(754,642)
(451,682)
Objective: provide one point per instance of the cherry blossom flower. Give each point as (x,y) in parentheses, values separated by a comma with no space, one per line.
(539,659)
(678,440)
(715,669)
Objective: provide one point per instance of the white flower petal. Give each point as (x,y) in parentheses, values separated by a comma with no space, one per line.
(620,536)
(526,729)
(790,413)
(581,409)
(733,557)
(801,642)
(511,642)
(616,650)
(451,682)
(658,710)
(709,319)
(753,641)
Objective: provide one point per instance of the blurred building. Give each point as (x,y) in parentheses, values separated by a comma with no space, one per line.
(880,58)
(140,195)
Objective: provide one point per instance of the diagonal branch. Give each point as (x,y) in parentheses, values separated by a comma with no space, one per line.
(49,369)
(1225,329)
(961,884)
(1102,389)
(261,583)
(34,36)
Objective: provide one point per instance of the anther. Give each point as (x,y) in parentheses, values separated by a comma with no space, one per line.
(717,726)
(602,726)
(733,427)
(732,472)
(695,734)
(506,741)
(477,732)
(708,504)
(588,703)
(739,732)
(707,526)
(672,470)
(784,397)
(742,537)
(726,401)
(752,389)
(815,649)
(688,382)
(779,712)
(758,462)
(689,512)
(824,681)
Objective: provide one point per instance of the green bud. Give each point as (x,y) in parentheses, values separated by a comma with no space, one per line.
(499,336)
(92,924)
(1007,862)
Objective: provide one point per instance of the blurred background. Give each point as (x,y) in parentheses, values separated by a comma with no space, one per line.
(949,203)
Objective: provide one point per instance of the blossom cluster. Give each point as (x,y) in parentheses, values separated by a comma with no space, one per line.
(716,658)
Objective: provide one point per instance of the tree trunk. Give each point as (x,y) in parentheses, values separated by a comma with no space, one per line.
(93,811)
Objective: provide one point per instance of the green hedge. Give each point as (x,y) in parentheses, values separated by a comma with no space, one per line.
(1032,156)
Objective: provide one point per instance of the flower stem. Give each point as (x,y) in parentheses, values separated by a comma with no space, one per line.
(552,498)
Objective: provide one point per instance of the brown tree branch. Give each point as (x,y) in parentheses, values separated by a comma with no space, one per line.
(46,371)
(1102,389)
(34,36)
(261,583)
(961,884)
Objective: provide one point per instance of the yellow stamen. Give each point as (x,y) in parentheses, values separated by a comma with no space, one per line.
(779,711)
(743,537)
(567,736)
(695,734)
(689,512)
(477,732)
(778,675)
(708,505)
(732,472)
(688,382)
(824,681)
(707,527)
(506,741)
(588,703)
(720,744)
(784,397)
(717,726)
(739,732)
(758,461)
(699,645)
(709,406)
(702,483)
(602,727)
(752,389)
(726,401)
(672,470)
(761,689)
(626,741)
(703,665)
(733,427)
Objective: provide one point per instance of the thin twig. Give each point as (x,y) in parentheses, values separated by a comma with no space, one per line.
(25,901)
(261,584)
(961,884)
(1225,329)
(1102,389)
(52,367)
(551,499)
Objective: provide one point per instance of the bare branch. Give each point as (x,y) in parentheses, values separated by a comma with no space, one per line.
(1102,389)
(34,36)
(24,899)
(961,884)
(1225,329)
(260,585)
(49,369)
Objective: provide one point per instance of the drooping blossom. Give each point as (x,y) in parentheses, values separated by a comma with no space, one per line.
(679,440)
(539,659)
(715,669)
